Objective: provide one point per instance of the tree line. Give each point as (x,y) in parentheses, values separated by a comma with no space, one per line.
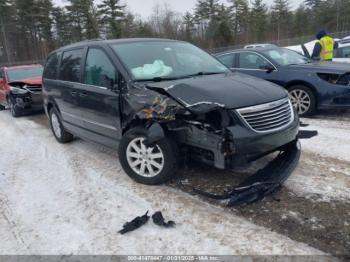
(32,28)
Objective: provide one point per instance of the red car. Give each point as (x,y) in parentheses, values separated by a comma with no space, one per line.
(20,88)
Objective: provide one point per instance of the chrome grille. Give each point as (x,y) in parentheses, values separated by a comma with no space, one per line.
(34,88)
(268,117)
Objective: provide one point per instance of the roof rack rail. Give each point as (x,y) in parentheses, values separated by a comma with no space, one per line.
(90,40)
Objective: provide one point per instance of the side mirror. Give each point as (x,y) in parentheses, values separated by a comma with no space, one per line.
(267,68)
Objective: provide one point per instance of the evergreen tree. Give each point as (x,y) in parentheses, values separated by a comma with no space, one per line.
(223,34)
(205,12)
(82,15)
(44,22)
(240,13)
(281,17)
(112,13)
(206,9)
(301,21)
(7,11)
(188,22)
(62,27)
(258,20)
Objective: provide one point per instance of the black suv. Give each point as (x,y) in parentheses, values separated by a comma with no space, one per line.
(162,100)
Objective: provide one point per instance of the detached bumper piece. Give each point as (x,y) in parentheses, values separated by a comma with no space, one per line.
(265,181)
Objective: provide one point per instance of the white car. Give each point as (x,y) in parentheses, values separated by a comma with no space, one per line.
(259,45)
(341,54)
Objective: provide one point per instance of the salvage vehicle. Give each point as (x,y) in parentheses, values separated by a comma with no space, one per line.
(20,88)
(162,100)
(341,54)
(311,85)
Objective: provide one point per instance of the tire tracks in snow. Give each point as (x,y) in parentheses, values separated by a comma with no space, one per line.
(74,198)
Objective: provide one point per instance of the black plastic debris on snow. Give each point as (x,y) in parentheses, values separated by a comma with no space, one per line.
(302,124)
(158,219)
(136,223)
(307,134)
(264,182)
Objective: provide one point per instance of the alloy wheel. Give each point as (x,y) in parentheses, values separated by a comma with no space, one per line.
(300,100)
(146,162)
(56,127)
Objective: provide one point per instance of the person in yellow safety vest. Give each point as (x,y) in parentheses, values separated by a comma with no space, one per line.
(324,47)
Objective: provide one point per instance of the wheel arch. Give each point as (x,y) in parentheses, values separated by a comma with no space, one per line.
(303,83)
(50,105)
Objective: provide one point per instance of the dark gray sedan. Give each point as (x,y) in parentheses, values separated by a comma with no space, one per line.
(311,85)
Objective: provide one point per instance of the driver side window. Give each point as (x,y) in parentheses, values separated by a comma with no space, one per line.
(99,70)
(249,60)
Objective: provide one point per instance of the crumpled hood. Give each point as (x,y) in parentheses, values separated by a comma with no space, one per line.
(327,67)
(233,90)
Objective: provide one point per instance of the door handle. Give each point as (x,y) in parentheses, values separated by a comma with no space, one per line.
(83,94)
(73,93)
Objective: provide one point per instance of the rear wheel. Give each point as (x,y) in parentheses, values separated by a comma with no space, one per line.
(147,165)
(57,128)
(15,111)
(303,100)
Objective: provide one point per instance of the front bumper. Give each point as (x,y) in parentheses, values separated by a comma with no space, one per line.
(265,181)
(238,145)
(27,101)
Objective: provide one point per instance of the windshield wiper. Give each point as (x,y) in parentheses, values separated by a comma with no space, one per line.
(157,79)
(160,79)
(202,74)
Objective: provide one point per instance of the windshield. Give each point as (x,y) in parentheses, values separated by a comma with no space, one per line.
(166,60)
(284,56)
(24,73)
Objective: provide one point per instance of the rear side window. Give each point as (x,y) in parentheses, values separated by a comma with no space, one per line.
(2,75)
(228,60)
(251,61)
(99,70)
(70,65)
(50,71)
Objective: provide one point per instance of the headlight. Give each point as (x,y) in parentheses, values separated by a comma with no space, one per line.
(18,90)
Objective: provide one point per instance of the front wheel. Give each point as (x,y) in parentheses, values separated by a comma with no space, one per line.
(147,165)
(303,100)
(15,112)
(57,128)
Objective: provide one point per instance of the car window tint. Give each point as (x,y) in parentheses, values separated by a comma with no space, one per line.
(2,75)
(227,60)
(70,65)
(251,61)
(345,51)
(50,71)
(99,70)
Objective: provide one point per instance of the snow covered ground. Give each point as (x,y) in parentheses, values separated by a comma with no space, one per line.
(72,199)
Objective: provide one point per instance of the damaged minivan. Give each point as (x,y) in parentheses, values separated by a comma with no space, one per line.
(160,101)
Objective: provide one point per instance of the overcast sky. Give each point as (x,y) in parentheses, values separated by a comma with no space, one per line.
(144,7)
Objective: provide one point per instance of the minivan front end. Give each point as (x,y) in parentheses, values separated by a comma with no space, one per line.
(254,132)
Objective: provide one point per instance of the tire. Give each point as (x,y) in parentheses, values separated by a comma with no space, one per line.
(153,166)
(303,100)
(61,135)
(14,110)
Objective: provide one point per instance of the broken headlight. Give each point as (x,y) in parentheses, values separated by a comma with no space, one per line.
(336,79)
(18,90)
